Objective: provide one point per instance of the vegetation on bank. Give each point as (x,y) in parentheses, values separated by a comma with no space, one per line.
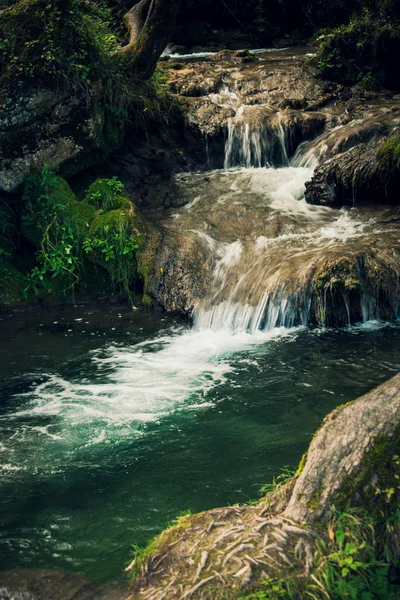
(74,44)
(364,52)
(350,563)
(389,154)
(82,246)
(69,51)
(359,40)
(356,555)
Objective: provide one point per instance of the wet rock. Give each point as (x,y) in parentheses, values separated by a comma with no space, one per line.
(41,584)
(11,595)
(353,177)
(180,269)
(244,250)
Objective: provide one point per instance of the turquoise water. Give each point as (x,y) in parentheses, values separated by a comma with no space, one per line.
(113,422)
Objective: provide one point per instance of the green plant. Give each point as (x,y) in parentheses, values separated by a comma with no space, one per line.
(104,229)
(144,555)
(363,52)
(55,39)
(58,256)
(273,589)
(349,565)
(279,481)
(389,153)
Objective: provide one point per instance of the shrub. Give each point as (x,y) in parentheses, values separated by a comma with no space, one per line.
(55,39)
(364,52)
(105,229)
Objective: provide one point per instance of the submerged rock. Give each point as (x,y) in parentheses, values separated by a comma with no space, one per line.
(44,584)
(230,551)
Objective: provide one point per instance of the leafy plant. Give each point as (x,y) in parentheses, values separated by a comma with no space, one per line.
(55,39)
(363,52)
(67,232)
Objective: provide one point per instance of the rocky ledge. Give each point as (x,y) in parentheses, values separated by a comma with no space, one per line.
(228,552)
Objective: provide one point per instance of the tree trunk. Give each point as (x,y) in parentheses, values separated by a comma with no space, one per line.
(135,19)
(151,25)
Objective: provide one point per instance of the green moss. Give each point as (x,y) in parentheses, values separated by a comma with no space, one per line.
(363,52)
(106,194)
(12,285)
(389,153)
(63,40)
(302,463)
(144,556)
(376,485)
(105,229)
(315,500)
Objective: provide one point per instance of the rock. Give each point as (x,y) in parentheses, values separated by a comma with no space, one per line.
(180,269)
(60,128)
(354,176)
(230,551)
(44,584)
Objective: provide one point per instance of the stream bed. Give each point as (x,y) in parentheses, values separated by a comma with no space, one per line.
(113,422)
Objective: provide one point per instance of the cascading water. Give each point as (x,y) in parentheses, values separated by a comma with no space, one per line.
(266,274)
(256,138)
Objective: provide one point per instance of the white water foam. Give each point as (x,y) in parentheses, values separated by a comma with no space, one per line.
(134,386)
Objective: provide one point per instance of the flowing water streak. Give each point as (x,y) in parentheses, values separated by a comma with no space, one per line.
(263,282)
(134,386)
(257,137)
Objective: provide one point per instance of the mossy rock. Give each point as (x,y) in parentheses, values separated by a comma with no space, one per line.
(13,284)
(106,194)
(389,153)
(363,52)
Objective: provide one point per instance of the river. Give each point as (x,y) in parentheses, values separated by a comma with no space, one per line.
(113,422)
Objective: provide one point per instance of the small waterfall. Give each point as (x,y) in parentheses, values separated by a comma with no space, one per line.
(271,255)
(276,261)
(274,310)
(257,137)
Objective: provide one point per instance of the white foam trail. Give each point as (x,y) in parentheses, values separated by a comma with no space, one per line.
(133,386)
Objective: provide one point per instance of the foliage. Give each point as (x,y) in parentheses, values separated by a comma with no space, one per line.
(143,554)
(389,153)
(59,252)
(348,565)
(103,229)
(262,21)
(279,481)
(364,52)
(55,39)
(71,42)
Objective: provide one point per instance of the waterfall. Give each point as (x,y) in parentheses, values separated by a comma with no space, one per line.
(273,310)
(271,255)
(276,261)
(257,137)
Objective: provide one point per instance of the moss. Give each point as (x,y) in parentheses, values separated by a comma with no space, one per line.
(105,194)
(363,52)
(12,285)
(375,486)
(65,40)
(389,154)
(314,502)
(302,463)
(104,229)
(144,556)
